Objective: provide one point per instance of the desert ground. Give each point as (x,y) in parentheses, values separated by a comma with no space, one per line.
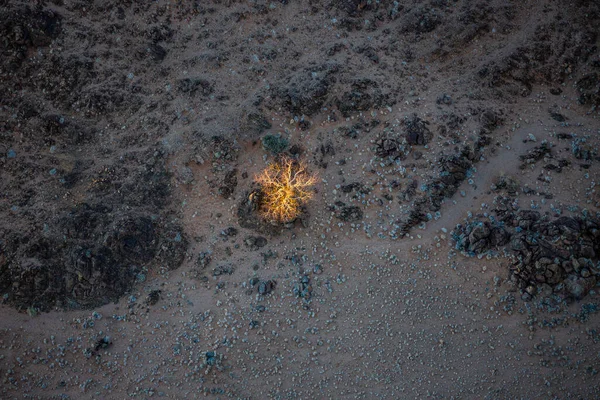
(450,250)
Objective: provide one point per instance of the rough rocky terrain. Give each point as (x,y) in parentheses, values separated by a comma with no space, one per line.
(451,248)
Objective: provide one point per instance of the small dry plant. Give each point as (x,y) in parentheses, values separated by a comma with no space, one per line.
(285,188)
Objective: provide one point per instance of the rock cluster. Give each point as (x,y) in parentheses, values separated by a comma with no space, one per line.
(560,256)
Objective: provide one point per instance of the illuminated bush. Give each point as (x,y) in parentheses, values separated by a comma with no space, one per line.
(285,188)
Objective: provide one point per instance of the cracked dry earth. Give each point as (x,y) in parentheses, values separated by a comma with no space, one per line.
(450,250)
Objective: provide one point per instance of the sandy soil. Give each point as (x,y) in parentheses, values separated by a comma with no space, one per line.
(130,136)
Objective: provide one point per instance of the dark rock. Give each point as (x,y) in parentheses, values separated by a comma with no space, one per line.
(421,20)
(350,214)
(536,154)
(353,8)
(211,358)
(229,184)
(334,49)
(359,187)
(102,343)
(153,297)
(444,99)
(305,92)
(157,52)
(562,253)
(266,287)
(229,232)
(204,260)
(250,218)
(557,116)
(223,270)
(490,120)
(390,147)
(364,95)
(582,150)
(254,124)
(417,132)
(195,85)
(577,287)
(185,175)
(255,242)
(304,125)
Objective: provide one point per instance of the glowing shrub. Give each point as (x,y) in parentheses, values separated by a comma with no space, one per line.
(285,188)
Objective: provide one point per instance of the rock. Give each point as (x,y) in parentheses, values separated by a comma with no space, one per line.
(156,52)
(211,358)
(102,343)
(421,20)
(255,242)
(185,175)
(192,86)
(585,273)
(392,148)
(557,116)
(223,270)
(555,275)
(480,231)
(254,123)
(416,131)
(153,297)
(229,232)
(203,260)
(303,289)
(305,92)
(266,287)
(536,154)
(229,184)
(544,290)
(350,214)
(589,88)
(576,286)
(364,95)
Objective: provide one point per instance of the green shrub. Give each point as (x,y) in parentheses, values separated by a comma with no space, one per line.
(275,144)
